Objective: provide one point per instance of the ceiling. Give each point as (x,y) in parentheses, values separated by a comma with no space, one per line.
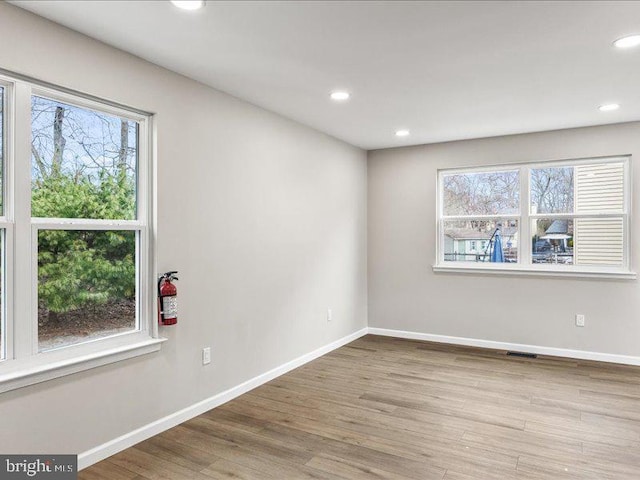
(443,70)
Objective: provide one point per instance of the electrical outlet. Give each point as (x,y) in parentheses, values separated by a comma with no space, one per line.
(329,315)
(206,355)
(580,320)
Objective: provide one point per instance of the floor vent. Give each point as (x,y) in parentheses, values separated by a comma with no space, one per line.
(522,354)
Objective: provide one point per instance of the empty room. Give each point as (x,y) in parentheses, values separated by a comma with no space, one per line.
(315,240)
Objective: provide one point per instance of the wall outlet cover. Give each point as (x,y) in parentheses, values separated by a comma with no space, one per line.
(206,355)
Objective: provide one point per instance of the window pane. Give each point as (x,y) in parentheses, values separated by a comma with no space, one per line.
(83,162)
(482,193)
(552,190)
(2,262)
(475,241)
(3,345)
(2,143)
(86,285)
(552,241)
(579,241)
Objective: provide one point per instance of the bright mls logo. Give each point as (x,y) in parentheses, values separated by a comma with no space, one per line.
(45,467)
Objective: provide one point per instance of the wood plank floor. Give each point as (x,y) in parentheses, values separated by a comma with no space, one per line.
(383,408)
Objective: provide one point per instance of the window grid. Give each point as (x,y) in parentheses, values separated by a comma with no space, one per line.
(526,217)
(17,229)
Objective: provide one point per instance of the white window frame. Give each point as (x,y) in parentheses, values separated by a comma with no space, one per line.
(524,265)
(23,363)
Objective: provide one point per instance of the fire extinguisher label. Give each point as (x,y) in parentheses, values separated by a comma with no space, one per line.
(170,307)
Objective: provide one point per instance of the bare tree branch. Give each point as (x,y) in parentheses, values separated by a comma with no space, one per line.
(40,164)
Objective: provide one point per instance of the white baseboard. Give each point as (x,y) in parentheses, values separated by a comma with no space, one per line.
(127,440)
(518,347)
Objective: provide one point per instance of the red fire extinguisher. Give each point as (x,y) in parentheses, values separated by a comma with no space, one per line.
(167,299)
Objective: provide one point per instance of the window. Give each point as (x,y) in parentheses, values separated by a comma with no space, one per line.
(557,217)
(75,226)
(474,205)
(3,303)
(84,166)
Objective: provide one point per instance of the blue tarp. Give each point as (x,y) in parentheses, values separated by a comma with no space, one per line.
(497,255)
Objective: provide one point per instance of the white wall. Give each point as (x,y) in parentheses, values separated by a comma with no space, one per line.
(405,294)
(264,218)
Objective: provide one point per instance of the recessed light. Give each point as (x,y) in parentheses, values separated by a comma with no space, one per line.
(628,41)
(340,96)
(609,107)
(188,4)
(402,133)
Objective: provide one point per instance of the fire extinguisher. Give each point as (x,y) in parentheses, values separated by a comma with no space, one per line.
(167,299)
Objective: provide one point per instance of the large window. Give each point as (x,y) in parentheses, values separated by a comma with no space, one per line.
(84,165)
(3,303)
(74,232)
(564,217)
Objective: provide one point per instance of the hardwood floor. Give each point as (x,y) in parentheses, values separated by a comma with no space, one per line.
(383,408)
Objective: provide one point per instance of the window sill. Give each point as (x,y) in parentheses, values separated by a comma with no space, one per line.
(15,374)
(519,270)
